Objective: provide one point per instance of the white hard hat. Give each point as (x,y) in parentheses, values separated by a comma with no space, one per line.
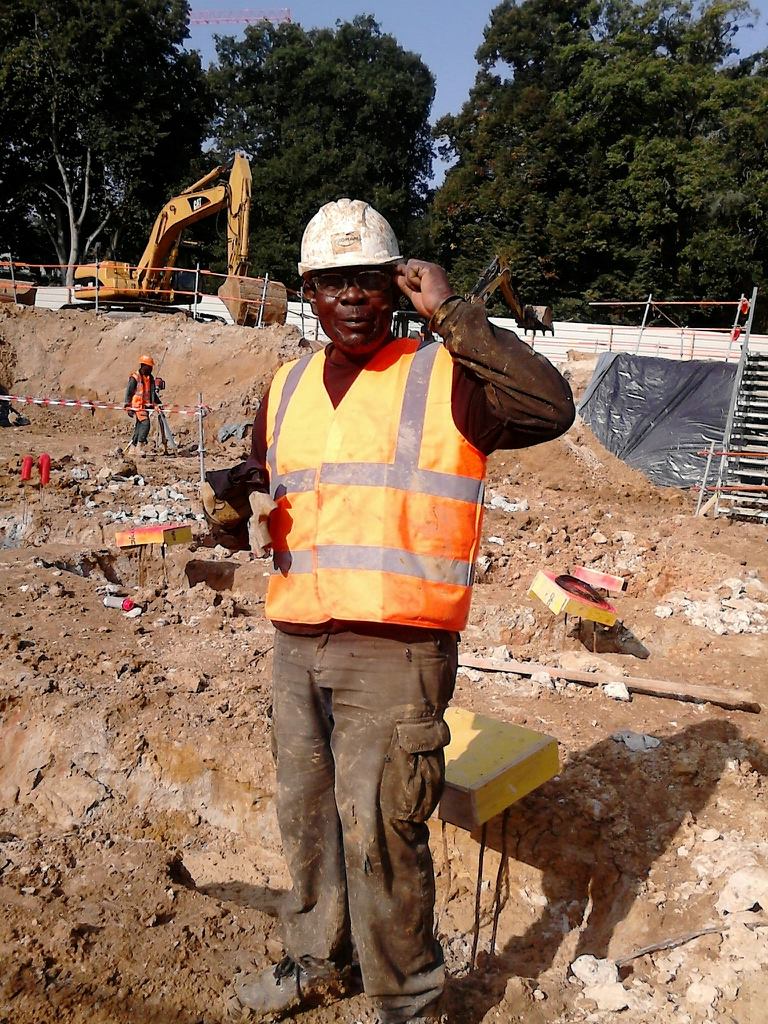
(347,233)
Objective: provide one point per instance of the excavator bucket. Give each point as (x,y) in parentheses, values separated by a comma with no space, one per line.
(255,301)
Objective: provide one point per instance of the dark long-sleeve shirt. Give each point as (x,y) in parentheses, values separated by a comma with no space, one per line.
(504,396)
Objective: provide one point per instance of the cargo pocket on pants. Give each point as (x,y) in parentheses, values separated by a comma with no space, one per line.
(414,770)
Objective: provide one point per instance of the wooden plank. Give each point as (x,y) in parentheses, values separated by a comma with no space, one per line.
(755,501)
(707,505)
(737,700)
(749,513)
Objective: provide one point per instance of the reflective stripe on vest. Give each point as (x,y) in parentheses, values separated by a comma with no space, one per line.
(142,396)
(406,563)
(422,572)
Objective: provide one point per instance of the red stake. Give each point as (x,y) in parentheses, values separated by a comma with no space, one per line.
(26,468)
(44,465)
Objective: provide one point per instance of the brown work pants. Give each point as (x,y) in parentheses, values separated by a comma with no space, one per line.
(359,737)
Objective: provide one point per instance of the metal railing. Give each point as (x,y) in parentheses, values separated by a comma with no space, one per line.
(202,299)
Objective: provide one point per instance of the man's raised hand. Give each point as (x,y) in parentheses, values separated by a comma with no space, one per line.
(425,284)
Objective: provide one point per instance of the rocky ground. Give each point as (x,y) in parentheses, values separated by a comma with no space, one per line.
(140,861)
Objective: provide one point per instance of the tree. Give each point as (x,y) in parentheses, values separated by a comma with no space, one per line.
(322,114)
(104,111)
(610,149)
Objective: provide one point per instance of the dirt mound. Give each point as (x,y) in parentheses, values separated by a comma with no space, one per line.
(578,463)
(82,355)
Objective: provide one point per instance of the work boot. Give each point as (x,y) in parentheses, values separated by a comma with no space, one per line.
(278,991)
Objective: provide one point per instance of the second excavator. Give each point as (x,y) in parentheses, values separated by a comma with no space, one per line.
(153,284)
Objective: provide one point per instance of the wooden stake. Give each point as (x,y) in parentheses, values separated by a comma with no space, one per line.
(738,700)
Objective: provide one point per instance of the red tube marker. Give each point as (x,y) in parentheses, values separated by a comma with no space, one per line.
(26,468)
(44,465)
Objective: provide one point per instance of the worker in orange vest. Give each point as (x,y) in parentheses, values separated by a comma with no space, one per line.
(141,396)
(373,451)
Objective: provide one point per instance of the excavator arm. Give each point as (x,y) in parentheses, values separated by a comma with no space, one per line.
(200,200)
(238,216)
(252,302)
(498,275)
(159,257)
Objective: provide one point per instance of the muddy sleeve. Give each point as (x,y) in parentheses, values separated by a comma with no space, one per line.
(505,395)
(250,475)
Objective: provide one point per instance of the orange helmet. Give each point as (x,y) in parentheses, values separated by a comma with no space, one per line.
(146,361)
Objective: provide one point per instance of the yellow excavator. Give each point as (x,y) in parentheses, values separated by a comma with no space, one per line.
(155,284)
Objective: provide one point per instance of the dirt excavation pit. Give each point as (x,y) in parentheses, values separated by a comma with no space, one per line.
(140,860)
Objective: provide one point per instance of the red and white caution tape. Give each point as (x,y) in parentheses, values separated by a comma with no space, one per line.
(84,403)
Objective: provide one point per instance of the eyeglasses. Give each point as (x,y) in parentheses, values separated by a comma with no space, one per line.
(332,284)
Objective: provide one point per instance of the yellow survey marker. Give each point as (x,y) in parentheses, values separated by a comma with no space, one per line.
(557,598)
(159,533)
(490,764)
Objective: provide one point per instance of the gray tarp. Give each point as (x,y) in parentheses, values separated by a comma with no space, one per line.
(655,414)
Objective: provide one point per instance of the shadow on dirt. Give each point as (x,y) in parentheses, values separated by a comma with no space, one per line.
(257,897)
(595,832)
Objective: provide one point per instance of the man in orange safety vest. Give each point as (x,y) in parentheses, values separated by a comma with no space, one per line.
(141,397)
(373,451)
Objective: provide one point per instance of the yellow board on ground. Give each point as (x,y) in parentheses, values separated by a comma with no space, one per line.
(558,600)
(490,764)
(159,533)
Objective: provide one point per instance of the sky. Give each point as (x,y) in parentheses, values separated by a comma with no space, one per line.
(445,33)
